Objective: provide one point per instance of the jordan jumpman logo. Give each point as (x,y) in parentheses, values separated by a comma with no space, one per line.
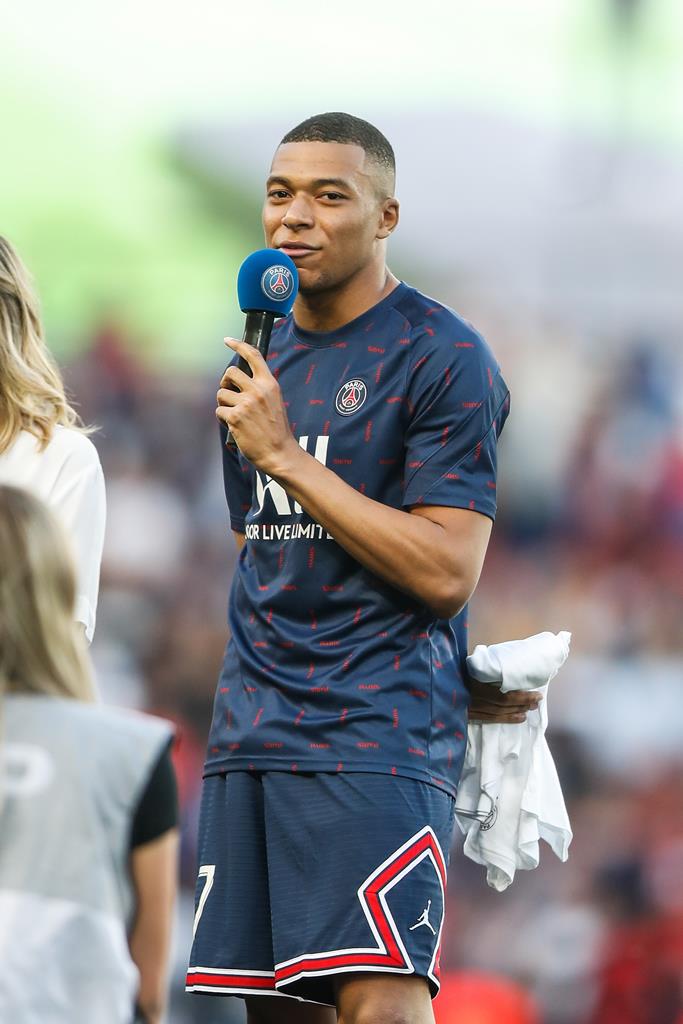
(423,919)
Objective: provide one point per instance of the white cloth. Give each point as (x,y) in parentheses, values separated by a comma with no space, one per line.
(509,774)
(67,476)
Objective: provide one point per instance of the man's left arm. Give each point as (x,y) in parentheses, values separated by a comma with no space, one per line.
(431,552)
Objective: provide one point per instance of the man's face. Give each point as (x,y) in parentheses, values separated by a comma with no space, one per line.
(326,207)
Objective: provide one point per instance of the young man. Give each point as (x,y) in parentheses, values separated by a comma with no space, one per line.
(361,495)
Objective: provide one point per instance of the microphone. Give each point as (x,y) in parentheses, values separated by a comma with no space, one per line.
(267,284)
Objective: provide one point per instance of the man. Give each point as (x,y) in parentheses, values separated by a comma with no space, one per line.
(361,495)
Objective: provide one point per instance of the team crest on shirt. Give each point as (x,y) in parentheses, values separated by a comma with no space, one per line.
(351,396)
(277,283)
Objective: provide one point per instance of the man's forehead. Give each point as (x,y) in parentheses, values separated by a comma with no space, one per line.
(321,160)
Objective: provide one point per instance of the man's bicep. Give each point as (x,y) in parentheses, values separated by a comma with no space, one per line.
(465,540)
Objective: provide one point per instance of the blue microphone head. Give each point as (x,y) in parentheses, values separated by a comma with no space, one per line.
(267,282)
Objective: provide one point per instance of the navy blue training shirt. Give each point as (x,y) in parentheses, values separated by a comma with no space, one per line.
(328,667)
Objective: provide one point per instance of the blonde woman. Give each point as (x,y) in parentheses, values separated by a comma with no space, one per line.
(43,446)
(88,837)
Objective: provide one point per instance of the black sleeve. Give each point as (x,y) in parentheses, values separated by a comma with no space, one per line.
(157,810)
(236,483)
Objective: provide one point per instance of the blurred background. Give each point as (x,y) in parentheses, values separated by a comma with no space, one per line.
(540,166)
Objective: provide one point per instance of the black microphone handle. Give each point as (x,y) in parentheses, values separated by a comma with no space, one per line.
(257,330)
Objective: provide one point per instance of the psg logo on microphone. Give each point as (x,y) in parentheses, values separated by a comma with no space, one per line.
(350,397)
(277,283)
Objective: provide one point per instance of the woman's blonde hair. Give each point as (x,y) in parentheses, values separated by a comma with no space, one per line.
(32,395)
(42,648)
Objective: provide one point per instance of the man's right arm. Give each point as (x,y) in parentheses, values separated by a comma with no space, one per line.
(239,539)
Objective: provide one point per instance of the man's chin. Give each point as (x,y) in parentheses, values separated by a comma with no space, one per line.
(313,284)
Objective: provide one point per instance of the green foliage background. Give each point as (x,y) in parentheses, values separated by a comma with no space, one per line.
(113,222)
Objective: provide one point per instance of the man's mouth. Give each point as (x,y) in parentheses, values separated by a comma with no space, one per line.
(296,249)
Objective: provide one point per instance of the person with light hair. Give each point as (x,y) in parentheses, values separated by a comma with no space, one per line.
(88,806)
(44,447)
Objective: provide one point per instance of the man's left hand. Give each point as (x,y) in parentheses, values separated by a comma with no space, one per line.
(253,409)
(489,704)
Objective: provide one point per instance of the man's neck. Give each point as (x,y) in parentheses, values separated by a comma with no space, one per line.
(329,310)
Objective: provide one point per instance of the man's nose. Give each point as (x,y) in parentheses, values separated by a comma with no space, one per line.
(298,214)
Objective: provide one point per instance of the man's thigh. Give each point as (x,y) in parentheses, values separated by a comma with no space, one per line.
(357,873)
(273,1010)
(383,999)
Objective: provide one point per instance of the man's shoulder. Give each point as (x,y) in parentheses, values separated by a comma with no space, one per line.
(432,326)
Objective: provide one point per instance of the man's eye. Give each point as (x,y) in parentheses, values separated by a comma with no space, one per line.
(332,195)
(277,193)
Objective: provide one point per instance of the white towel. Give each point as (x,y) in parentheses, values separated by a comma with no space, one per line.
(509,780)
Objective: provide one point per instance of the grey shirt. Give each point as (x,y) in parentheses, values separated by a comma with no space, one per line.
(72,778)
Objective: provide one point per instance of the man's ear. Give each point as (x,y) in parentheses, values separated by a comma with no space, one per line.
(389,217)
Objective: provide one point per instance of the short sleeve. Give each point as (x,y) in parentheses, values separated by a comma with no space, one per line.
(236,481)
(457,404)
(79,498)
(157,809)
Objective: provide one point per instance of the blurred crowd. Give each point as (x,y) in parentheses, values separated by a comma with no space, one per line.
(589,538)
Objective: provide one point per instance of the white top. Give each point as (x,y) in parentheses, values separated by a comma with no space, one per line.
(509,797)
(67,475)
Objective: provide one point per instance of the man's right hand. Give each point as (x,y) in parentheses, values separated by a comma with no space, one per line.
(489,704)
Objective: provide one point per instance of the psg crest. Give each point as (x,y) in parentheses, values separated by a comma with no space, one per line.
(277,283)
(350,396)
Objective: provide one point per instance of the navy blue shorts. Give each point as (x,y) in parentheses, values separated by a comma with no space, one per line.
(304,877)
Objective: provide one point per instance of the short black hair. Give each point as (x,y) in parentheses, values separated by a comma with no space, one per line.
(338,127)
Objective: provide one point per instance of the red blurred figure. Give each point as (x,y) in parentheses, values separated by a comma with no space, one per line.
(639,979)
(474,998)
